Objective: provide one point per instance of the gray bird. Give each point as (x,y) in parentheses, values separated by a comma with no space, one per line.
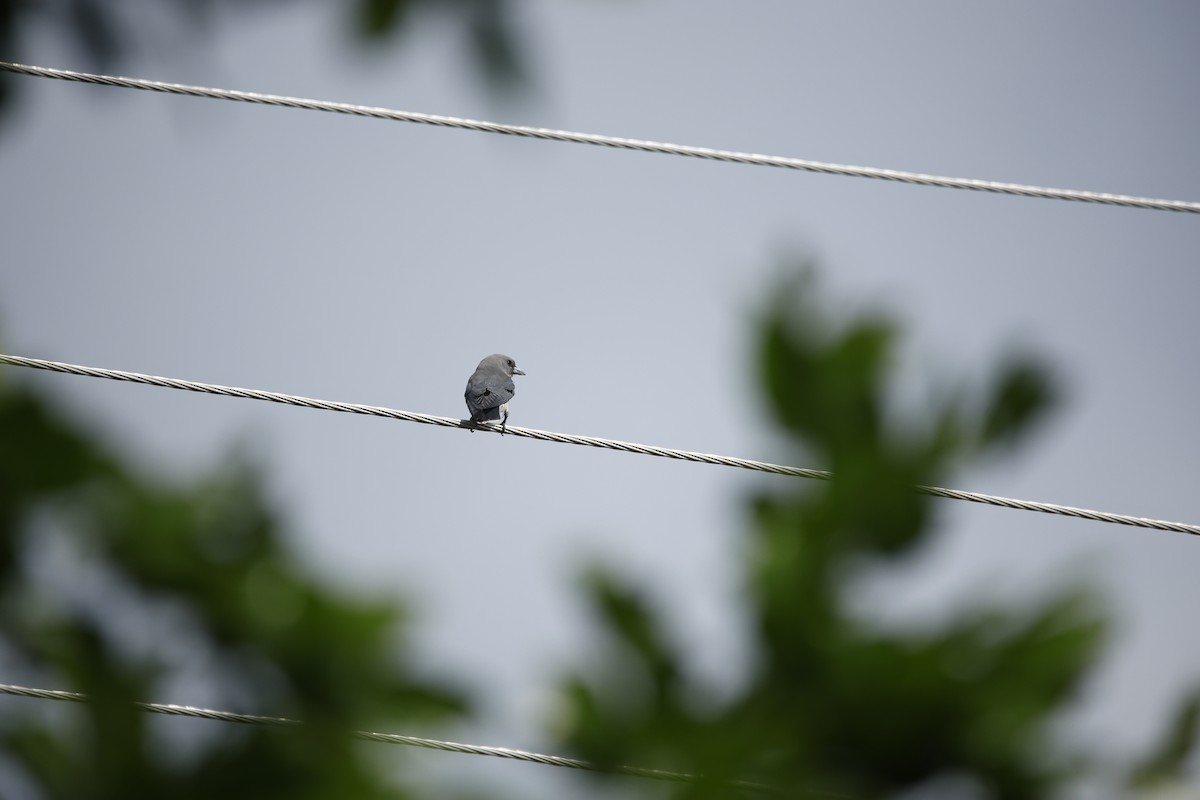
(490,388)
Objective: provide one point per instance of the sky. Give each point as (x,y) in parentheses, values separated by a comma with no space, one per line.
(376,262)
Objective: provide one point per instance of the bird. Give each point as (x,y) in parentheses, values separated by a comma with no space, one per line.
(490,388)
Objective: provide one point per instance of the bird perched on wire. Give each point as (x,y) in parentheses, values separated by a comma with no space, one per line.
(490,388)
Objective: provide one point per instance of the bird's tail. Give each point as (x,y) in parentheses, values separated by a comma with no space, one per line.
(486,415)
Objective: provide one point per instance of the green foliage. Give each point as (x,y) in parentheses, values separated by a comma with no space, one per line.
(379,18)
(487,27)
(107,34)
(1020,392)
(1166,765)
(106,576)
(835,704)
(211,559)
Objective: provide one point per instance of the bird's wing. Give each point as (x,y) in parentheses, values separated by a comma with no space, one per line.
(485,391)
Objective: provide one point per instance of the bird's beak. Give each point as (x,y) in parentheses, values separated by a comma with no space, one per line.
(518,372)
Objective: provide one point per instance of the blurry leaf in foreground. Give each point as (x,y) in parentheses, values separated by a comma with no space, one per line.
(109,576)
(833,704)
(1022,393)
(1167,764)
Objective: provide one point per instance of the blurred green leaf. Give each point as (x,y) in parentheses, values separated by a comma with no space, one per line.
(271,636)
(379,18)
(634,626)
(108,34)
(95,30)
(496,47)
(832,704)
(1022,393)
(1167,761)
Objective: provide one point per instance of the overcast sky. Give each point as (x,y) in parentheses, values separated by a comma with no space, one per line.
(376,262)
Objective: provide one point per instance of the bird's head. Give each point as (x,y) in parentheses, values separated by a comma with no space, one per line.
(501,362)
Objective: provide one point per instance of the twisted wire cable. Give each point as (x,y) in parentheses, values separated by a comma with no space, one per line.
(587,441)
(642,145)
(372,736)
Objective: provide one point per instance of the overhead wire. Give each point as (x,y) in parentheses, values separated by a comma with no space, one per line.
(588,441)
(385,738)
(644,145)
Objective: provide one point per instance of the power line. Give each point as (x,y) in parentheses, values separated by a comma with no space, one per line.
(588,441)
(386,738)
(1024,190)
